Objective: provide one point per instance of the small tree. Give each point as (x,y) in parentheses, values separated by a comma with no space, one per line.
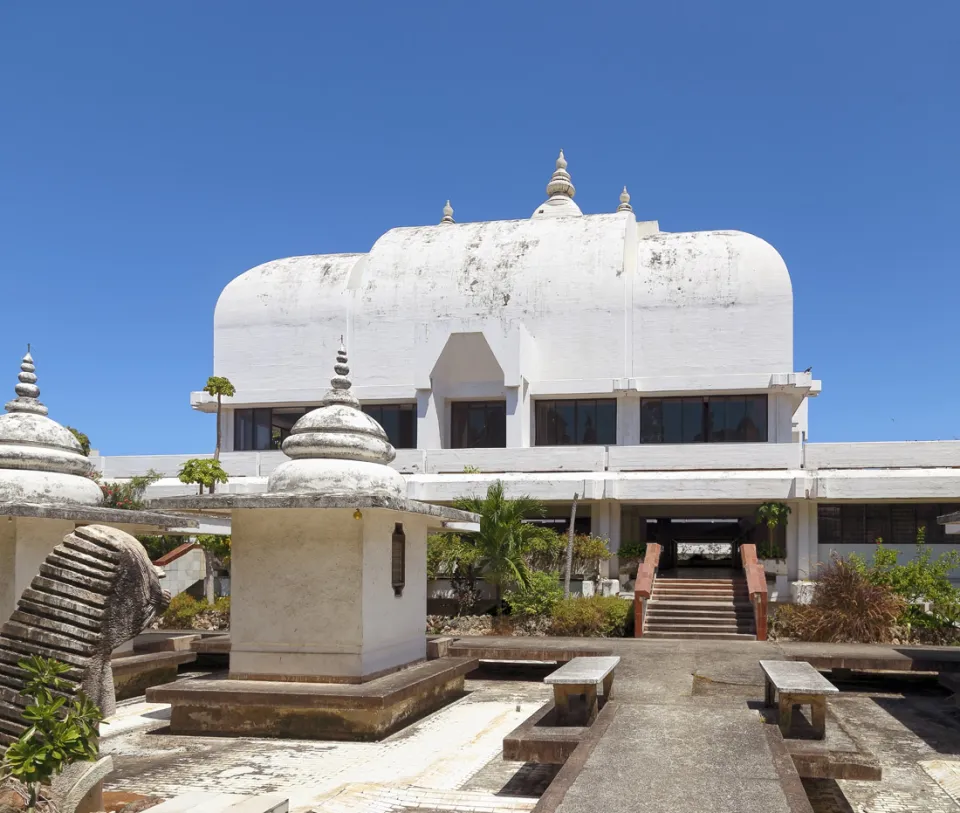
(505,537)
(202,472)
(216,549)
(773,515)
(82,439)
(219,386)
(128,495)
(63,730)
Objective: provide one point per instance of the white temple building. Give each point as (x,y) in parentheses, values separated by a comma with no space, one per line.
(649,372)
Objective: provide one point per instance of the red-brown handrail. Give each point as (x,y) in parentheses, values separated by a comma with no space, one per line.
(756,587)
(646,575)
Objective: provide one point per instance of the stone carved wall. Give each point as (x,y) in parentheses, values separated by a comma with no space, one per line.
(95,591)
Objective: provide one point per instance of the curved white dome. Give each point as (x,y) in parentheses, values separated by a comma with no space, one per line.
(600,296)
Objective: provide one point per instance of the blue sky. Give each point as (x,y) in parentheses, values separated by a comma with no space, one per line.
(150,152)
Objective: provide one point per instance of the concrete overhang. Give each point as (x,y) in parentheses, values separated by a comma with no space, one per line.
(129,521)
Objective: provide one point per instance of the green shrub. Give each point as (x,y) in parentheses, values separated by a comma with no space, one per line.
(538,598)
(183,609)
(222,605)
(846,608)
(632,552)
(917,581)
(597,616)
(548,552)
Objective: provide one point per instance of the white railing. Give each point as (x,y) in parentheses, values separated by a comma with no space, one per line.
(917,454)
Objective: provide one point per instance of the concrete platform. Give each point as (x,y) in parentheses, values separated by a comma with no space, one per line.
(329,711)
(540,740)
(543,650)
(873,657)
(134,674)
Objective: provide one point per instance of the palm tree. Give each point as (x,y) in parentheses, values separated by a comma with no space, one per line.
(504,538)
(219,386)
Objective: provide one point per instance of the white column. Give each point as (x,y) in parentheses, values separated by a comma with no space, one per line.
(793,540)
(605,522)
(808,540)
(429,416)
(628,419)
(518,418)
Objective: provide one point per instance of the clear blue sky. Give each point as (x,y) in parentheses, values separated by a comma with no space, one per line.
(150,152)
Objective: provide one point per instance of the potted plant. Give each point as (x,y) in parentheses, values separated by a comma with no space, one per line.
(774,559)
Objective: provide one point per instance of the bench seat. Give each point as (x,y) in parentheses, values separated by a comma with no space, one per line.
(580,678)
(793,683)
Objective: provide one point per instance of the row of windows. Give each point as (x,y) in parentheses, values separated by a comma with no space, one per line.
(568,422)
(864,524)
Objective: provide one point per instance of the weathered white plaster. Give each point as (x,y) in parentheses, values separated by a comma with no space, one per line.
(24,544)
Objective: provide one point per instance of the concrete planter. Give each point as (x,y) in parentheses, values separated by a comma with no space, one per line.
(774,567)
(801,592)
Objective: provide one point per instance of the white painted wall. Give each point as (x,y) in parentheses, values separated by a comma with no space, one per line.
(24,544)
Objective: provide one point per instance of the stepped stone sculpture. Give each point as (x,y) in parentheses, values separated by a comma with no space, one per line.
(95,591)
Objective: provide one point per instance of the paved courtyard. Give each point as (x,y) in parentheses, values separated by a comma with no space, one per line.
(687,736)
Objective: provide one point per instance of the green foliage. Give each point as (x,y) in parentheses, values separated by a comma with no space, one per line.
(63,729)
(450,556)
(773,515)
(181,612)
(846,608)
(82,439)
(204,472)
(184,609)
(921,580)
(217,545)
(157,546)
(504,538)
(632,552)
(597,616)
(218,385)
(538,598)
(128,495)
(471,470)
(548,551)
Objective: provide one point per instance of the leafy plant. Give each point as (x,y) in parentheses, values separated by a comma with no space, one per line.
(63,729)
(203,472)
(219,386)
(128,495)
(773,515)
(159,545)
(548,551)
(632,552)
(471,469)
(538,597)
(448,555)
(596,616)
(181,612)
(504,538)
(921,581)
(846,608)
(82,439)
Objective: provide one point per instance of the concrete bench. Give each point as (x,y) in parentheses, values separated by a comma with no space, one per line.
(794,683)
(577,679)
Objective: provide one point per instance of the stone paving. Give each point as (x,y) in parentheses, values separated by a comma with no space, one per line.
(686,737)
(451,760)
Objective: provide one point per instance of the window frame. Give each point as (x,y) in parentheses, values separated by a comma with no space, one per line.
(375,411)
(542,422)
(466,406)
(654,429)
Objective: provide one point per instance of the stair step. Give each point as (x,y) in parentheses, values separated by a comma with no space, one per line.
(693,636)
(693,604)
(651,627)
(673,620)
(705,597)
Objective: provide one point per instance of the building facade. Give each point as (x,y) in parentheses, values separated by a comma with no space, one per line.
(650,373)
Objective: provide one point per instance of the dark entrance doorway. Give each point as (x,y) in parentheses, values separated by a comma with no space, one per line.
(699,547)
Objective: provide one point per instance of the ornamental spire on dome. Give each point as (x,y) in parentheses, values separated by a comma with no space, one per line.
(28,393)
(624,201)
(339,392)
(447,214)
(560,183)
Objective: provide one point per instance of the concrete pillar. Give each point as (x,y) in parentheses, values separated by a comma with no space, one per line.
(605,522)
(429,420)
(24,544)
(518,418)
(796,517)
(808,540)
(628,419)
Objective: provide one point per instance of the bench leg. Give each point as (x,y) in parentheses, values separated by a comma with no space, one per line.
(561,701)
(608,687)
(590,695)
(786,714)
(818,711)
(769,693)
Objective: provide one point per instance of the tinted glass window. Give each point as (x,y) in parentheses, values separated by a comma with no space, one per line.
(699,419)
(895,523)
(478,425)
(576,422)
(251,430)
(399,421)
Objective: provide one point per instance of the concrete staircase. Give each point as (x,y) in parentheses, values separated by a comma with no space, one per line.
(700,608)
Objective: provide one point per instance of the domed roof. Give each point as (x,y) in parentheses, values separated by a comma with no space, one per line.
(337,448)
(561,191)
(40,460)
